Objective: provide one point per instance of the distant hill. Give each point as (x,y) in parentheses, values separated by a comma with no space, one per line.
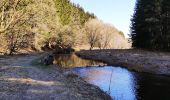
(70,13)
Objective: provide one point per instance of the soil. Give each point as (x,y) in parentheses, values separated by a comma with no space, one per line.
(21,80)
(133,59)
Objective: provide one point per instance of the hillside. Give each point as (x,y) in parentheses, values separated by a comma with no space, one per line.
(48,24)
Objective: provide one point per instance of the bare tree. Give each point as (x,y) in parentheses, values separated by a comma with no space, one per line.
(103,36)
(13,18)
(22,20)
(98,33)
(46,23)
(92,28)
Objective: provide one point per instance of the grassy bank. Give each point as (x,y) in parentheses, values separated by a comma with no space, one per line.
(137,60)
(23,78)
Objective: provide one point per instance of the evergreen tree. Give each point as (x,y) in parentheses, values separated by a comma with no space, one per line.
(166,24)
(63,10)
(136,30)
(68,12)
(146,24)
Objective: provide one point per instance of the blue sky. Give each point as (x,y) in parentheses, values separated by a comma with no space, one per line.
(115,12)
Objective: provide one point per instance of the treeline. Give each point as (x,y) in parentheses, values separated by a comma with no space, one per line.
(151,25)
(49,24)
(104,36)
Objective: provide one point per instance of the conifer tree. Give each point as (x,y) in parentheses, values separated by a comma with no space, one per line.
(146,24)
(166,25)
(68,12)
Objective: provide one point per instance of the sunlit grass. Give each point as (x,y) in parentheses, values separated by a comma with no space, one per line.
(34,82)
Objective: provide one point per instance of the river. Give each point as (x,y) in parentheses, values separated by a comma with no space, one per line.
(117,81)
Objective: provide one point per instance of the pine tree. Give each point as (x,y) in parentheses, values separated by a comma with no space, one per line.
(136,32)
(67,10)
(166,24)
(146,24)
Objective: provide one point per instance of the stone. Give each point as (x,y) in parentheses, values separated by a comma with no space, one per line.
(48,60)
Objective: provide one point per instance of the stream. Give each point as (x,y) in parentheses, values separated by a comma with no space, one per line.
(117,81)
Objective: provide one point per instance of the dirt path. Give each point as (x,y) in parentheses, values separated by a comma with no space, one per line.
(19,80)
(138,60)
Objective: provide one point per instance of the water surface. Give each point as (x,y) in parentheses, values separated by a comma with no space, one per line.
(119,82)
(72,61)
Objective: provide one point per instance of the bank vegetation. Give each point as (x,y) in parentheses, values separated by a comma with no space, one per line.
(51,24)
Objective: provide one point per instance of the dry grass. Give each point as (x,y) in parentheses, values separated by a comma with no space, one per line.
(138,60)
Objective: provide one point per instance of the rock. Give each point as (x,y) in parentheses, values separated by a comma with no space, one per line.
(70,74)
(48,60)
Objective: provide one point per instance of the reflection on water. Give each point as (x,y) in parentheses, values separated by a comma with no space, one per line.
(153,87)
(71,60)
(127,85)
(123,84)
(120,83)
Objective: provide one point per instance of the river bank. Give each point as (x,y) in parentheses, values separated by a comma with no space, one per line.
(137,60)
(22,80)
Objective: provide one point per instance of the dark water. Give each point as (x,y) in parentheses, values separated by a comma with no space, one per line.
(72,61)
(120,83)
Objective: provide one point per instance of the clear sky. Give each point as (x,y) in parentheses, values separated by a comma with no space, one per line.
(115,12)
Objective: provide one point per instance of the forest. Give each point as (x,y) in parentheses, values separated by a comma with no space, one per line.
(48,24)
(150,25)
